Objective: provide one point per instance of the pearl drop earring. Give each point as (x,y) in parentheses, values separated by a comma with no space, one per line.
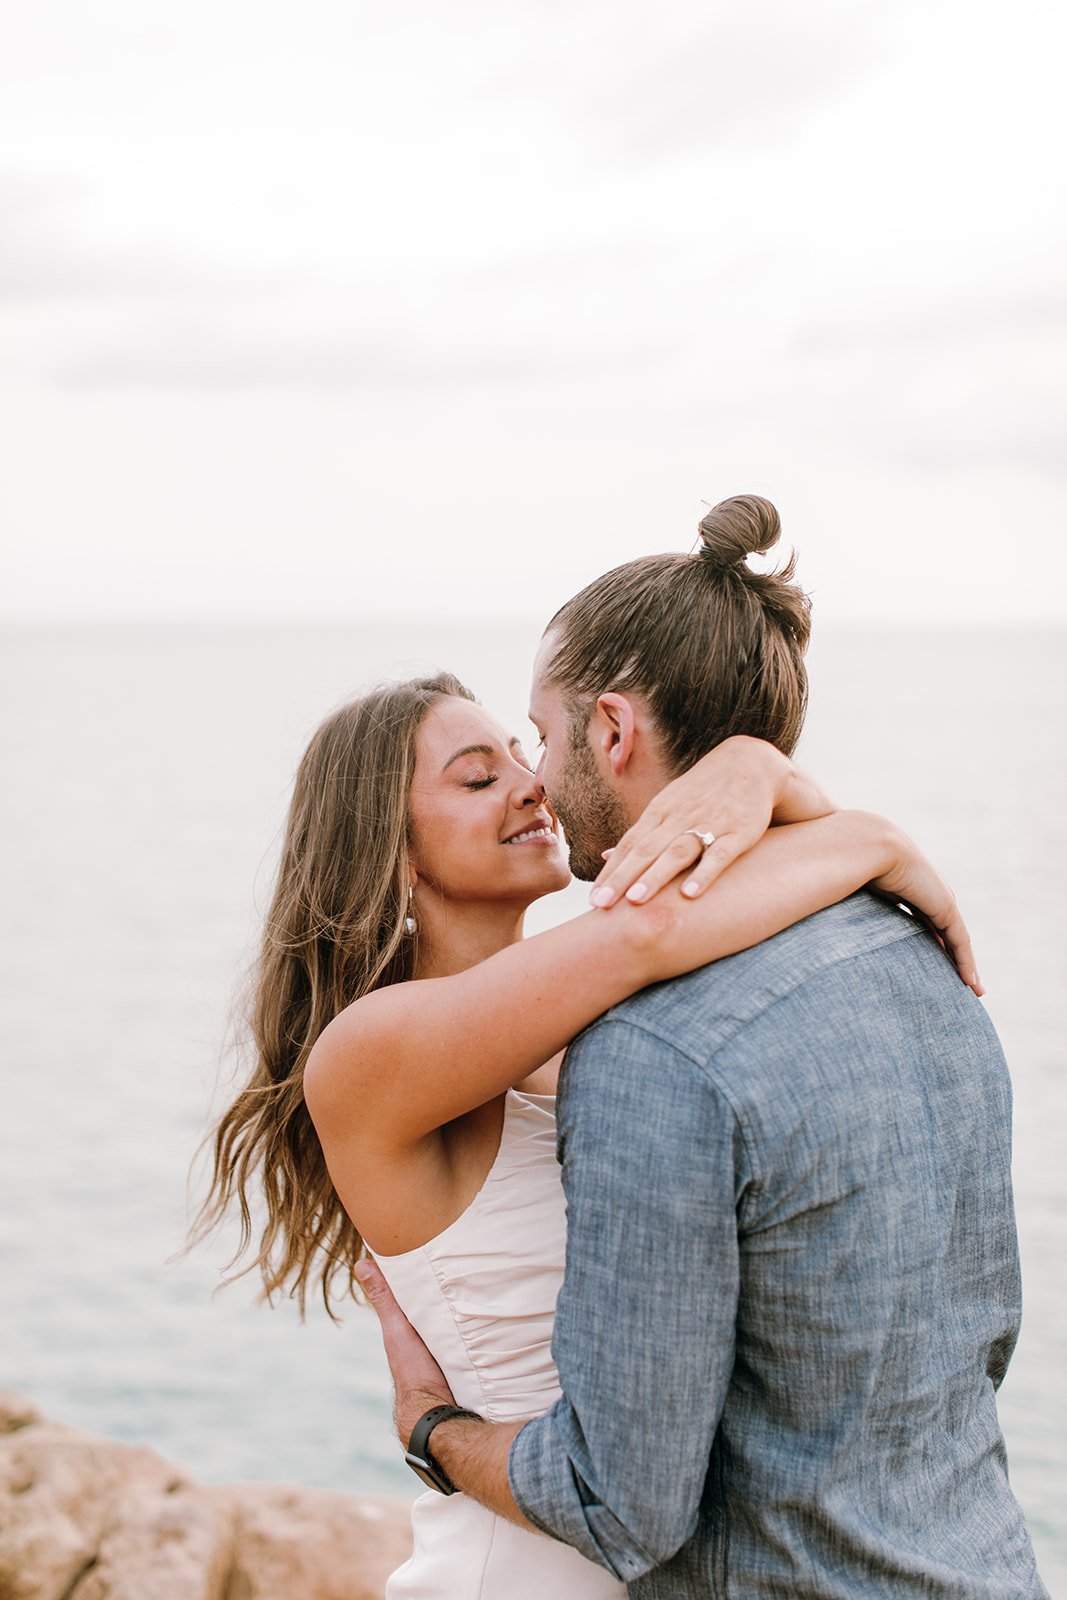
(410,925)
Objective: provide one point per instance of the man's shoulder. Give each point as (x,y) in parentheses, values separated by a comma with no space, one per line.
(728,994)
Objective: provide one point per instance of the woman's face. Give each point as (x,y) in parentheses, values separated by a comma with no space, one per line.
(481,827)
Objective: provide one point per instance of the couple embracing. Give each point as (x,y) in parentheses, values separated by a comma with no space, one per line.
(743,1337)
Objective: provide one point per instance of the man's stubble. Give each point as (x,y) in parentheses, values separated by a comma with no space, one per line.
(592,816)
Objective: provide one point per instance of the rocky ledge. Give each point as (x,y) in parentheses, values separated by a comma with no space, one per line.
(83,1518)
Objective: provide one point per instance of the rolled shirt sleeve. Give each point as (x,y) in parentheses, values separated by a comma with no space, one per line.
(644,1336)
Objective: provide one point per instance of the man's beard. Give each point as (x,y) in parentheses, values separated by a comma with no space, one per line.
(593,817)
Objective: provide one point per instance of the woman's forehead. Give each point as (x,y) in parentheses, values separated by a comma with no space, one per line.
(452,723)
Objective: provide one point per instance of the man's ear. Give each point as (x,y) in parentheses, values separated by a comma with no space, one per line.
(615,730)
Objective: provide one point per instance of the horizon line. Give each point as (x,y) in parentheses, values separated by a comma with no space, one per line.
(502,621)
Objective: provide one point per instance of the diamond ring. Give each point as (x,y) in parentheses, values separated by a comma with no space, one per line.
(706,839)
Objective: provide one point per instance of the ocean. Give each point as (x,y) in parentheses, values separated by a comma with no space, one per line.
(147,771)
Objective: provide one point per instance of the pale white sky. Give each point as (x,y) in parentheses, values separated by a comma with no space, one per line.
(339,309)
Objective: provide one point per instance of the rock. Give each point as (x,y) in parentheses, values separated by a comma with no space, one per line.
(83,1518)
(163,1547)
(15,1412)
(297,1542)
(56,1488)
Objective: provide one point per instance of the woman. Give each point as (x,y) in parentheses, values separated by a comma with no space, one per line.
(408,1042)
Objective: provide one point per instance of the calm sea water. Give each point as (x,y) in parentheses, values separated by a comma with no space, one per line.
(146,777)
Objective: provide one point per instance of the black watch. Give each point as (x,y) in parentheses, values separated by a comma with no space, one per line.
(417,1454)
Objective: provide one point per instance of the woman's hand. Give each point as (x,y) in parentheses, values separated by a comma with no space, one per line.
(912,880)
(733,794)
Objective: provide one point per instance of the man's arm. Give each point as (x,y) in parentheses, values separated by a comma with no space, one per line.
(644,1336)
(644,1326)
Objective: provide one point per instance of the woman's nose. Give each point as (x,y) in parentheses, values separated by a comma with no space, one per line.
(530,792)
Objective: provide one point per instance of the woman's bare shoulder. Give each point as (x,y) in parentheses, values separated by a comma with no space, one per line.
(353,1048)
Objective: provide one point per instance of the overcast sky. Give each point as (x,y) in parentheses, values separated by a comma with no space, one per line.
(339,309)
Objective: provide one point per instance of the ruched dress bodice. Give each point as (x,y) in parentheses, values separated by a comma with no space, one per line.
(482,1294)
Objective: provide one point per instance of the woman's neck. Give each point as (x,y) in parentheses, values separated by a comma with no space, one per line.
(454,937)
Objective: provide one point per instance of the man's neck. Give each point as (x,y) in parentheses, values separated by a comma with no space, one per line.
(642,783)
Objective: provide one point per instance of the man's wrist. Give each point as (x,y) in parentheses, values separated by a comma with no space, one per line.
(453,1441)
(421,1454)
(474,1455)
(464,1453)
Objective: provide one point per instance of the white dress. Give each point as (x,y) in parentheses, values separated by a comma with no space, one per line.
(483,1295)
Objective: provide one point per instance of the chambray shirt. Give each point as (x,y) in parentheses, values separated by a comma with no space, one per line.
(792,1282)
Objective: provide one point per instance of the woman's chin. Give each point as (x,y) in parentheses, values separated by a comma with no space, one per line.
(557,869)
(552,880)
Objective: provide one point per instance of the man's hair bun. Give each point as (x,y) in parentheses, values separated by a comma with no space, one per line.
(715,647)
(736,528)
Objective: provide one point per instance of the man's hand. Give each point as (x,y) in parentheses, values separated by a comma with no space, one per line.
(473,1453)
(418,1381)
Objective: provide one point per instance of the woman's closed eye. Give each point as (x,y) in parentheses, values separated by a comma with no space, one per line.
(480,783)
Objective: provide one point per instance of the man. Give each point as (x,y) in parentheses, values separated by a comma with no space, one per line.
(792,1279)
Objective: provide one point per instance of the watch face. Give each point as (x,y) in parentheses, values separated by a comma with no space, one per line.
(426,1471)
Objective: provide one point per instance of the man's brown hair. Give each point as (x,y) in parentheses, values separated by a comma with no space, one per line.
(713,647)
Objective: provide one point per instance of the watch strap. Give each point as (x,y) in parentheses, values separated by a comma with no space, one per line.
(418,1455)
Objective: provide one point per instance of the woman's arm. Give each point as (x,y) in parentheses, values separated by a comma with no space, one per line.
(735,792)
(404,1061)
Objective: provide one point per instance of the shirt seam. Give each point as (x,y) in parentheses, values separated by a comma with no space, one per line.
(655,1032)
(706,1063)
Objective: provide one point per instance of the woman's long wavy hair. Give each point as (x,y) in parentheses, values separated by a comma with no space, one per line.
(335,930)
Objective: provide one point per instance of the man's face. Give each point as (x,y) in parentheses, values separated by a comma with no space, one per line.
(593,816)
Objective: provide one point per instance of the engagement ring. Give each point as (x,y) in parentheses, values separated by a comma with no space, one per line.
(706,839)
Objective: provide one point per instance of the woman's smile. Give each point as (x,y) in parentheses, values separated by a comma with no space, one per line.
(537,833)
